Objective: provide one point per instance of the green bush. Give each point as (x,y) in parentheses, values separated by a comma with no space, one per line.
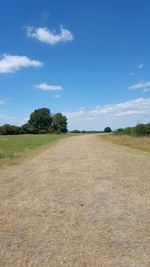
(59,123)
(40,121)
(8,129)
(107,130)
(139,130)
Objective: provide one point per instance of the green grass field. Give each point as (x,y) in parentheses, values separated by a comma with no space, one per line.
(13,148)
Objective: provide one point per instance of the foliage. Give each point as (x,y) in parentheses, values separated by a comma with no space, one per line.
(85,132)
(107,130)
(138,130)
(40,121)
(8,129)
(75,131)
(59,123)
(119,131)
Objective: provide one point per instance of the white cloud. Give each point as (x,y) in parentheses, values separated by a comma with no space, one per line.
(48,87)
(56,96)
(114,115)
(123,114)
(140,66)
(131,73)
(139,85)
(50,37)
(10,63)
(6,119)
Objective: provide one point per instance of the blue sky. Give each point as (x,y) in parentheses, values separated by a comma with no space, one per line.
(87,59)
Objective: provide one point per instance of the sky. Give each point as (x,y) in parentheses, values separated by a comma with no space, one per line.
(89,60)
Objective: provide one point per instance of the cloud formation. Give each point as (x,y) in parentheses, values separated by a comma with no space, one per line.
(48,87)
(114,115)
(8,119)
(49,37)
(139,85)
(10,63)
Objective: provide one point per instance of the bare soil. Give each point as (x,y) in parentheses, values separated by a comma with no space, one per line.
(82,202)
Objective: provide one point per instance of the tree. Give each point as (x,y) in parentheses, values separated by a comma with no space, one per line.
(107,130)
(128,131)
(59,123)
(40,121)
(8,129)
(140,129)
(27,128)
(147,129)
(119,131)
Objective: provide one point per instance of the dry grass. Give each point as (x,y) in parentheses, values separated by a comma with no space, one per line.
(142,143)
(82,203)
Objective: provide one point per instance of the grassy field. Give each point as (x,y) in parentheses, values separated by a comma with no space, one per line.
(13,148)
(142,143)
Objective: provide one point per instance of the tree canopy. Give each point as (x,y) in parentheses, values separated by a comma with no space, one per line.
(107,130)
(59,123)
(139,130)
(40,120)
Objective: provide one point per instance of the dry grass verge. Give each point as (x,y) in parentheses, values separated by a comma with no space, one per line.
(142,143)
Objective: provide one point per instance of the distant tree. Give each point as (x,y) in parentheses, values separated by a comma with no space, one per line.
(75,131)
(8,129)
(40,121)
(119,131)
(107,130)
(59,123)
(147,129)
(27,128)
(128,131)
(140,129)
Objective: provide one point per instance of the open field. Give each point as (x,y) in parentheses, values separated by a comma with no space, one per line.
(15,147)
(142,143)
(83,202)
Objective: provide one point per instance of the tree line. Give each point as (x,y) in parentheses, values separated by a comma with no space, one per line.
(41,122)
(139,130)
(106,130)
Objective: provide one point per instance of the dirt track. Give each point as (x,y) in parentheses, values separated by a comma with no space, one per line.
(81,203)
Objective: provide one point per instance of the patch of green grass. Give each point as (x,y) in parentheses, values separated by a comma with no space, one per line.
(13,148)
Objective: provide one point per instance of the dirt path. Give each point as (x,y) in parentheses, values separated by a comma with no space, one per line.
(81,203)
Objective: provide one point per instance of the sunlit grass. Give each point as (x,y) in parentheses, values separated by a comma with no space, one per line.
(142,143)
(13,148)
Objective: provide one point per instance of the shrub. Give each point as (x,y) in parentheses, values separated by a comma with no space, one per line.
(140,129)
(107,130)
(8,129)
(59,123)
(40,121)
